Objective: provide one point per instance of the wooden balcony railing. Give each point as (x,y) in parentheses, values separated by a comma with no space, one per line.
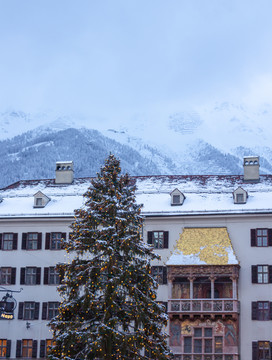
(203,306)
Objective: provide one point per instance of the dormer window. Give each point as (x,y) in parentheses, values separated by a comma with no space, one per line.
(177,197)
(40,200)
(240,196)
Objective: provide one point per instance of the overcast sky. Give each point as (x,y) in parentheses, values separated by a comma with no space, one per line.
(119,58)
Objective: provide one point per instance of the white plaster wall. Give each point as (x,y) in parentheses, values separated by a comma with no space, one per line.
(239,230)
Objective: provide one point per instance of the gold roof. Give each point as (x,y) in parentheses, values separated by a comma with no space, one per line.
(208,246)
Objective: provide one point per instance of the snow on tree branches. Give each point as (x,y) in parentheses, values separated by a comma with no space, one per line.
(109,309)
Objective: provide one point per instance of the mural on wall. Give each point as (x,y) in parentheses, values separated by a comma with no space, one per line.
(231,330)
(227,329)
(175,332)
(181,291)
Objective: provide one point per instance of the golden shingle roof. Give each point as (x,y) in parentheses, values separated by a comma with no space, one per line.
(208,246)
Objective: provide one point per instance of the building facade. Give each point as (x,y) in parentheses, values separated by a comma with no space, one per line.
(214,235)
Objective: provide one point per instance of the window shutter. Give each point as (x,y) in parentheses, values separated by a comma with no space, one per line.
(149,237)
(44,310)
(13,276)
(15,241)
(165,239)
(254,350)
(253,237)
(45,276)
(270,274)
(38,276)
(39,241)
(47,241)
(22,277)
(21,310)
(24,236)
(1,236)
(269,237)
(254,310)
(254,275)
(18,348)
(36,311)
(270,305)
(34,348)
(164,276)
(8,348)
(42,349)
(63,240)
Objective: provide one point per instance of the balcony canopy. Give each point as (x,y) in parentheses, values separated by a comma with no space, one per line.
(203,246)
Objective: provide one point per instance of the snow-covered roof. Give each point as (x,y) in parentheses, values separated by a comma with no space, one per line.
(204,195)
(203,246)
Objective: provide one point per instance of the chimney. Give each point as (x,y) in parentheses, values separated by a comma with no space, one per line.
(251,169)
(64,172)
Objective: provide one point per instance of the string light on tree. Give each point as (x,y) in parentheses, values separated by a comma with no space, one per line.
(109,309)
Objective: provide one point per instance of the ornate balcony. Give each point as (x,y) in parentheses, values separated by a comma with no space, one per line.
(203,306)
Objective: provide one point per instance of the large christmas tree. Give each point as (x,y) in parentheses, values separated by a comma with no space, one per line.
(109,308)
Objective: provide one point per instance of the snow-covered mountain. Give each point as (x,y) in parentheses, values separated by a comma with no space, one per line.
(195,141)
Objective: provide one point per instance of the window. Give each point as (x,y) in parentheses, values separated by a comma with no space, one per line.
(53,241)
(26,348)
(7,276)
(8,241)
(261,350)
(160,274)
(261,237)
(39,202)
(187,345)
(261,310)
(49,344)
(32,241)
(218,344)
(30,276)
(51,276)
(54,278)
(261,274)
(203,342)
(50,310)
(46,346)
(28,310)
(5,348)
(176,199)
(239,198)
(159,239)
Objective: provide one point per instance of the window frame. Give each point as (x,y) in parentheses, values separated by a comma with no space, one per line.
(159,273)
(30,275)
(4,343)
(7,276)
(263,274)
(262,237)
(27,348)
(159,241)
(263,313)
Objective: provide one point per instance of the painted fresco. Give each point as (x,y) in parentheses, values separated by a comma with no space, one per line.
(181,291)
(227,329)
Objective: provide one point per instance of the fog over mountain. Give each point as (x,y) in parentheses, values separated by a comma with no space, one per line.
(192,141)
